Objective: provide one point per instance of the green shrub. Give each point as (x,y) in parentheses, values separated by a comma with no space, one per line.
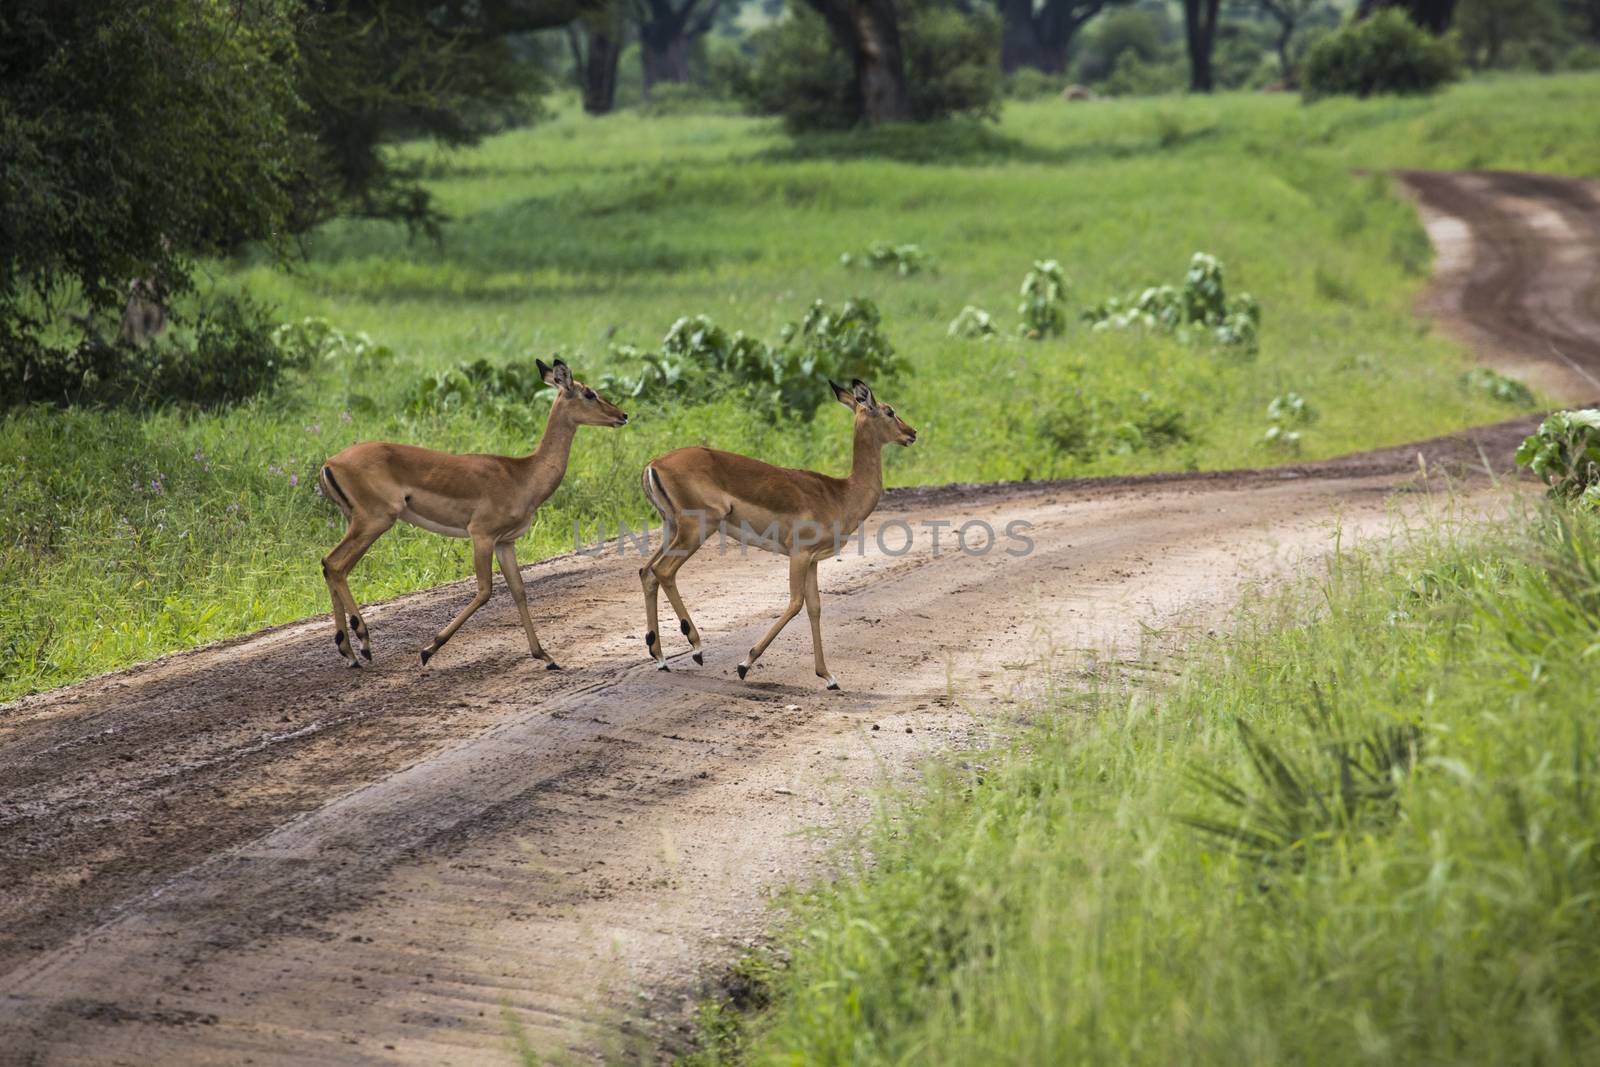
(1201,302)
(1028,83)
(514,392)
(1387,53)
(972,322)
(229,355)
(800,74)
(904,260)
(1498,386)
(1044,288)
(1565,454)
(699,360)
(1083,427)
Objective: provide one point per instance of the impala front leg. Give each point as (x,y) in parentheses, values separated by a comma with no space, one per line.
(483,564)
(506,553)
(336,566)
(797,590)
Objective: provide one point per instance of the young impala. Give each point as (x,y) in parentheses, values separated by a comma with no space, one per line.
(799,514)
(490,499)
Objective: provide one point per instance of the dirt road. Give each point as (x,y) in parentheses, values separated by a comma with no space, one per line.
(248,854)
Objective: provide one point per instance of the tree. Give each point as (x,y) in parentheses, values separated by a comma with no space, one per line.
(1487,26)
(869,33)
(135,136)
(1200,31)
(1038,33)
(667,32)
(596,42)
(1289,14)
(1432,15)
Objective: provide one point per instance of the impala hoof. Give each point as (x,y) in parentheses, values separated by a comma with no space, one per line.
(661,665)
(426,654)
(355,665)
(833,686)
(743,669)
(366,654)
(552,665)
(699,657)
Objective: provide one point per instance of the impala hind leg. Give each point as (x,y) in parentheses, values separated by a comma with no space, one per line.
(336,567)
(664,569)
(506,553)
(814,610)
(483,566)
(797,590)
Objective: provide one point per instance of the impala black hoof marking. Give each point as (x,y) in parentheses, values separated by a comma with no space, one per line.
(683,624)
(650,640)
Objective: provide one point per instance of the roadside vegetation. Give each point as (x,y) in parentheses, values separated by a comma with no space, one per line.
(1359,828)
(136,530)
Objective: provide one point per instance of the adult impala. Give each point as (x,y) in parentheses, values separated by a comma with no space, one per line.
(490,499)
(800,514)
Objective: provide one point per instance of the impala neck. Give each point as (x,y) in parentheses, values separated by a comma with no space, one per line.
(866,471)
(548,463)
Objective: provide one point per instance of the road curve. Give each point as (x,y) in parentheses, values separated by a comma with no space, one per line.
(246,853)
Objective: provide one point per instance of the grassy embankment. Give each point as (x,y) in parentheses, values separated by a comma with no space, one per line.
(129,536)
(1048,903)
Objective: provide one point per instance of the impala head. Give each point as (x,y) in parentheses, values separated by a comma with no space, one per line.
(577,401)
(880,419)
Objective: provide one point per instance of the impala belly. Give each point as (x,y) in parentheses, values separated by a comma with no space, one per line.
(408,515)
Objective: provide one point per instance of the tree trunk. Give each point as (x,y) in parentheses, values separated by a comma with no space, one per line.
(596,66)
(870,31)
(1285,66)
(1021,43)
(1200,26)
(664,57)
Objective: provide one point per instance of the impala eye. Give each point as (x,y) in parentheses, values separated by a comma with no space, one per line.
(589,394)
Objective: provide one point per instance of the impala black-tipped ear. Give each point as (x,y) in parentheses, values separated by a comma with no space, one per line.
(863,395)
(842,395)
(559,375)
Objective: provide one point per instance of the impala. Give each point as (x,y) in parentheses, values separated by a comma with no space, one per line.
(800,514)
(489,499)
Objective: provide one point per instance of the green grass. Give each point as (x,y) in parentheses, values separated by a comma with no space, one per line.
(580,233)
(1047,902)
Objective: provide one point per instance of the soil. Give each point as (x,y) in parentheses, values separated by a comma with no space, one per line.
(250,854)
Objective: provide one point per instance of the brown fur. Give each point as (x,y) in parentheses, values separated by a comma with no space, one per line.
(489,499)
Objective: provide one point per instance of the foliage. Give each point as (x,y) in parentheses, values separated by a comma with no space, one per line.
(799,73)
(1044,289)
(103,180)
(1496,385)
(1399,830)
(904,260)
(513,392)
(1565,455)
(973,322)
(227,356)
(700,360)
(1201,302)
(1384,54)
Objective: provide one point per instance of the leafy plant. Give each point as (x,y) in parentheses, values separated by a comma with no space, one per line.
(1565,454)
(1387,53)
(1082,427)
(1290,409)
(904,260)
(1202,302)
(1498,386)
(1298,804)
(700,360)
(515,391)
(1044,288)
(972,322)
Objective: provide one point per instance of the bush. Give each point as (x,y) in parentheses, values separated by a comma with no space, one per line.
(1387,53)
(1201,302)
(1565,454)
(800,74)
(701,361)
(1497,386)
(1026,83)
(1043,289)
(1082,427)
(972,322)
(514,392)
(904,260)
(231,355)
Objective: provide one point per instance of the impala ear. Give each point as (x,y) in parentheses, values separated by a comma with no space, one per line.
(863,395)
(559,375)
(842,395)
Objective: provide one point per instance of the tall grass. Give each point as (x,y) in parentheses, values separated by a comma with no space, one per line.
(1054,902)
(582,233)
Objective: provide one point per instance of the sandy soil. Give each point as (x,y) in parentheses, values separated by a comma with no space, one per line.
(248,854)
